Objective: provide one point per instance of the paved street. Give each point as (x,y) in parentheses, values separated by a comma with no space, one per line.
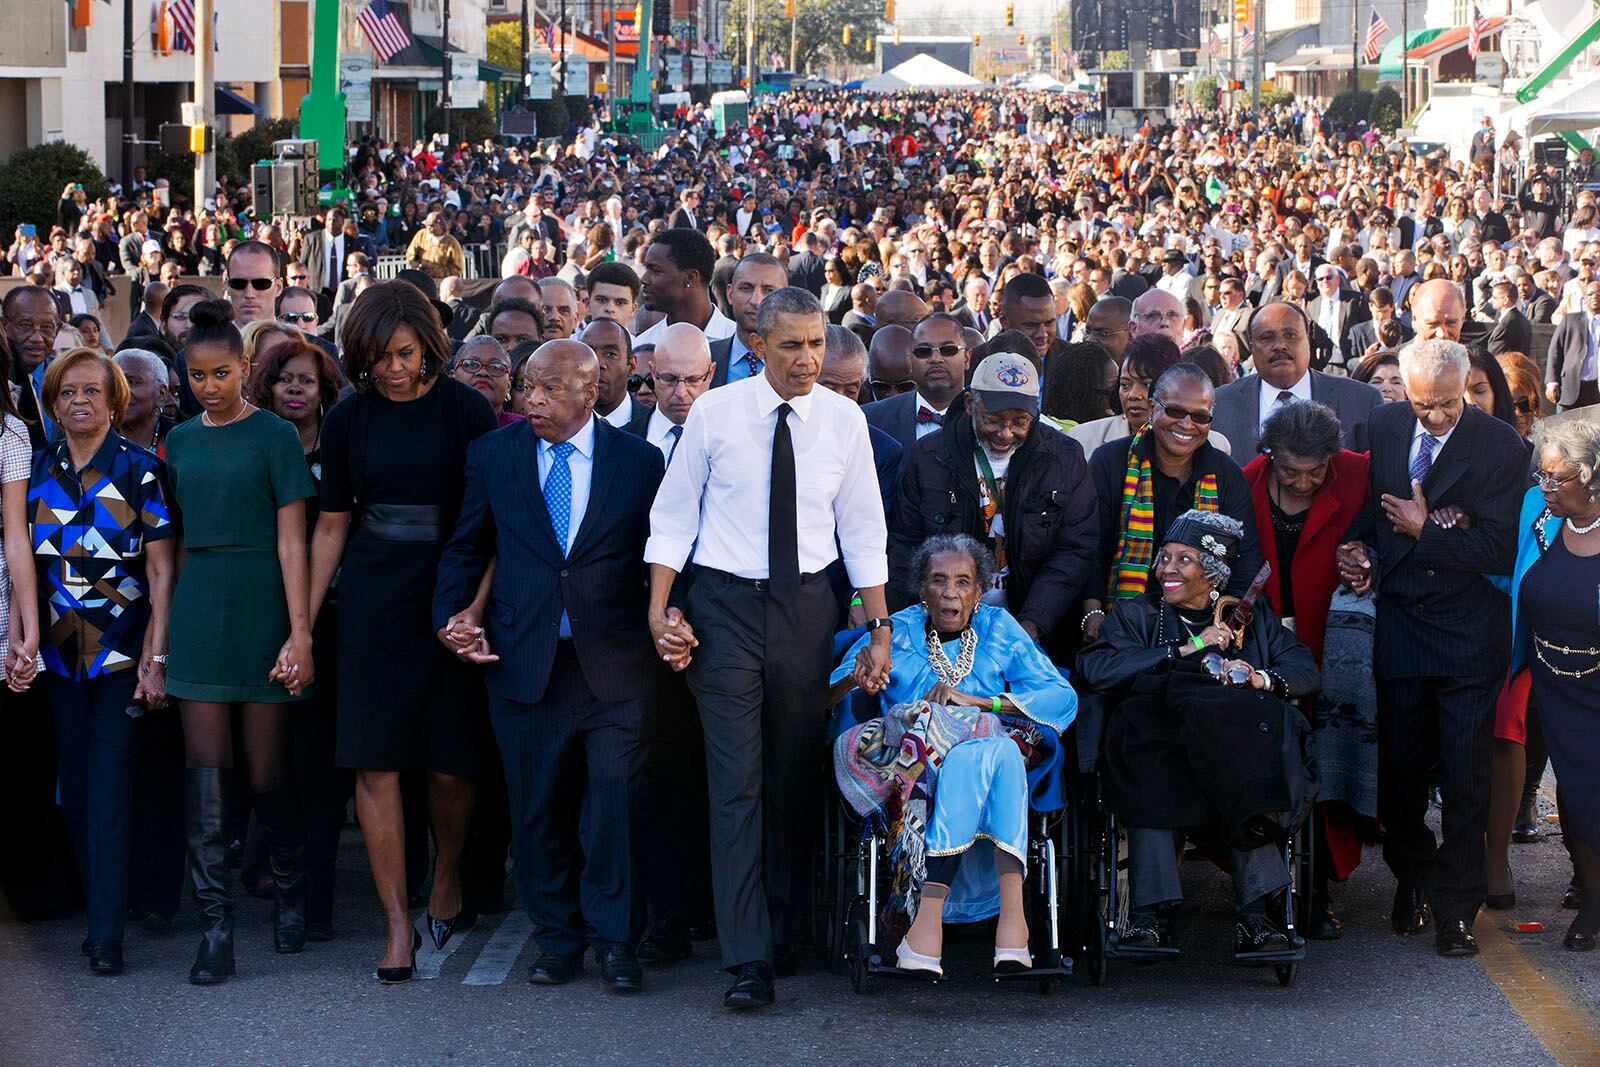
(1367,999)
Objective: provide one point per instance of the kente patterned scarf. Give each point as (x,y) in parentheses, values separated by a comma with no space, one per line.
(1136,536)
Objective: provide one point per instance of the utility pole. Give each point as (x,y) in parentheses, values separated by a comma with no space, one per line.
(524,83)
(794,35)
(611,58)
(1355,50)
(1233,59)
(127,99)
(1255,60)
(1405,62)
(750,47)
(562,27)
(205,99)
(444,86)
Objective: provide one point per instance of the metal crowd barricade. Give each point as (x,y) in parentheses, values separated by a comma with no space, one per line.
(479,259)
(387,267)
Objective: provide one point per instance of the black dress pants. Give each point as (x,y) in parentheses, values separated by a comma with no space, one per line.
(674,849)
(760,677)
(572,775)
(1447,723)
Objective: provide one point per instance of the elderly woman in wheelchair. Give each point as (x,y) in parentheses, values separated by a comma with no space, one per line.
(1204,735)
(944,767)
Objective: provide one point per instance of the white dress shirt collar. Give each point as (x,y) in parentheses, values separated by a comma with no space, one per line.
(1268,402)
(659,431)
(622,414)
(1441,439)
(767,399)
(583,441)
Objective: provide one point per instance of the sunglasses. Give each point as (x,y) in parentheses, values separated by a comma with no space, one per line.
(1177,414)
(260,285)
(297,317)
(1526,405)
(948,351)
(1234,675)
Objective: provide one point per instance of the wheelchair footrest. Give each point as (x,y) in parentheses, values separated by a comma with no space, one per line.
(1254,959)
(885,970)
(1035,974)
(1141,954)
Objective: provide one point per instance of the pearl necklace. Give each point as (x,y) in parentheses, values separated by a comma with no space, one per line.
(205,417)
(1575,528)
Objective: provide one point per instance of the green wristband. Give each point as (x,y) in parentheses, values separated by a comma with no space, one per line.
(995,707)
(1197,642)
(855,602)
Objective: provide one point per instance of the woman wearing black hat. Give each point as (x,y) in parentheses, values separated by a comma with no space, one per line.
(1201,731)
(393,463)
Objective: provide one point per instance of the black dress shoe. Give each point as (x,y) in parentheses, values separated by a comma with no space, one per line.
(783,961)
(1410,913)
(752,987)
(619,969)
(1500,901)
(401,975)
(1525,831)
(1254,935)
(105,957)
(667,942)
(1321,923)
(319,930)
(1145,931)
(1454,938)
(551,969)
(1578,941)
(1572,899)
(442,930)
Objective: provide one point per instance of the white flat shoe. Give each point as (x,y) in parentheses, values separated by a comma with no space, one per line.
(908,960)
(1012,959)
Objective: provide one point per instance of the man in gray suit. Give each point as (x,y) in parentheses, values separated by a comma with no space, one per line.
(1280,343)
(1573,365)
(939,357)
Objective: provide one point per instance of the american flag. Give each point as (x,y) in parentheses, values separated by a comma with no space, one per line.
(549,34)
(382,27)
(182,13)
(1247,39)
(1377,29)
(1475,32)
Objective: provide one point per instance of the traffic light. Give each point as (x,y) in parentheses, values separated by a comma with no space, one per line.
(1011,15)
(661,19)
(888,10)
(897,35)
(788,9)
(977,40)
(1022,38)
(847,36)
(1241,10)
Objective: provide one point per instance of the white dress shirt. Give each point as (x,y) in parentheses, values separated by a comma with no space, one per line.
(1416,444)
(1269,397)
(622,414)
(658,431)
(581,463)
(331,276)
(716,328)
(926,428)
(715,498)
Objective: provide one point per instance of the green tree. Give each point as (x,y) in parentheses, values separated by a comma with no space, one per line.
(504,51)
(1273,99)
(1384,114)
(1344,110)
(32,179)
(818,31)
(1203,92)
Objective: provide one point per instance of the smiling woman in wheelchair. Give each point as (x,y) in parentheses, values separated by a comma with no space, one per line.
(944,767)
(1203,736)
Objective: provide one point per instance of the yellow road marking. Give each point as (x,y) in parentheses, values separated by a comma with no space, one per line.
(1563,1024)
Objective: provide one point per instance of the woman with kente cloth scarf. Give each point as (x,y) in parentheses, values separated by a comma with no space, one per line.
(1146,481)
(944,766)
(1183,752)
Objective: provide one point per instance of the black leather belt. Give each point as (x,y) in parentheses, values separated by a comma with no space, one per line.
(753,583)
(408,523)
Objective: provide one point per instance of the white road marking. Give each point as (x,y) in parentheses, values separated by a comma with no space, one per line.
(430,959)
(494,963)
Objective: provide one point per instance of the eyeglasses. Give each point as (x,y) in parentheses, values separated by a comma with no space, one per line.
(493,370)
(260,285)
(1549,482)
(296,317)
(1177,414)
(881,387)
(672,381)
(948,351)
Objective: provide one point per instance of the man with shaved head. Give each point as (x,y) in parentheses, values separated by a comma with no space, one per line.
(900,307)
(1158,311)
(888,365)
(566,653)
(1438,310)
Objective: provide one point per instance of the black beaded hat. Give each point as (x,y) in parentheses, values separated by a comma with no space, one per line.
(1191,528)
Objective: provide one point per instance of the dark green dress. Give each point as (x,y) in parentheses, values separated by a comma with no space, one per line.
(229,614)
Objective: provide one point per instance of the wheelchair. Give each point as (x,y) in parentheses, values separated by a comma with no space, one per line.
(1097,869)
(855,876)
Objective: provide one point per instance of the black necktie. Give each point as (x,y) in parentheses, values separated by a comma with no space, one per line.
(783,552)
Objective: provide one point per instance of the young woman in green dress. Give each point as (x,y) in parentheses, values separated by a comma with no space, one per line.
(241,630)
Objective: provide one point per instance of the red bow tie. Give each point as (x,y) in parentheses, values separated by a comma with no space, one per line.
(926,415)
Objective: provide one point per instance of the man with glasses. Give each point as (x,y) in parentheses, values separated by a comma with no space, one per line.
(1280,344)
(253,282)
(1158,311)
(1333,313)
(939,368)
(1233,309)
(684,218)
(1439,650)
(297,307)
(32,319)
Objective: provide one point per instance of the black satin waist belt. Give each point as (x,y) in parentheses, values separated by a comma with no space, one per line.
(402,522)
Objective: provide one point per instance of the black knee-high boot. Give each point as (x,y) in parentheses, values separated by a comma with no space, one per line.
(206,791)
(279,813)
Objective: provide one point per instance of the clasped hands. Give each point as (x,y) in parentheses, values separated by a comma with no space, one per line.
(674,638)
(294,668)
(464,636)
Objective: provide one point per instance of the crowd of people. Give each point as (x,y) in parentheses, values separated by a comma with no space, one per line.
(556,568)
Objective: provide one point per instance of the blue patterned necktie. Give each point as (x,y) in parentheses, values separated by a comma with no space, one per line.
(558,491)
(676,433)
(754,364)
(1424,461)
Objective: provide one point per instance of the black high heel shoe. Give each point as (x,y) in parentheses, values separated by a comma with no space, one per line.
(400,975)
(442,930)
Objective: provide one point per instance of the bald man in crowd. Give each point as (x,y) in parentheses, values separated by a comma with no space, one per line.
(1158,311)
(567,656)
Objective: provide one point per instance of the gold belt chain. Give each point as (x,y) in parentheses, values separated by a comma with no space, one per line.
(1540,644)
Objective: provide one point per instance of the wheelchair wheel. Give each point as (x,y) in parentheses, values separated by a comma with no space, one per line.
(1286,973)
(856,950)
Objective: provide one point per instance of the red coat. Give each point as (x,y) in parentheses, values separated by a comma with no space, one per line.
(1316,572)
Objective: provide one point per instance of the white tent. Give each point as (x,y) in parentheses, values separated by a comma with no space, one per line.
(1041,83)
(921,71)
(1579,109)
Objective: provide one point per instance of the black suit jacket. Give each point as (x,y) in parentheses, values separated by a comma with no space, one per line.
(897,417)
(1512,332)
(1237,410)
(1364,335)
(1564,361)
(143,325)
(600,583)
(1439,615)
(805,272)
(681,220)
(1542,309)
(1408,227)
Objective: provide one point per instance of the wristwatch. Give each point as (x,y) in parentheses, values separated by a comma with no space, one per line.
(878,624)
